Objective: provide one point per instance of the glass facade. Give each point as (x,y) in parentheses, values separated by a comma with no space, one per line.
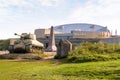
(63,37)
(67,28)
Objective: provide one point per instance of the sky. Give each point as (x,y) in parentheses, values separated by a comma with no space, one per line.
(19,16)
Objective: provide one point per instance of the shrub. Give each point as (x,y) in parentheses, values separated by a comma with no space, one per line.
(4,44)
(8,57)
(100,51)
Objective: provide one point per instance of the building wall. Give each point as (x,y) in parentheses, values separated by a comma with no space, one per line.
(90,34)
(43,33)
(76,42)
(40,33)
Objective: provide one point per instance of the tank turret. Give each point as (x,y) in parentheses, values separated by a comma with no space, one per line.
(26,43)
(24,36)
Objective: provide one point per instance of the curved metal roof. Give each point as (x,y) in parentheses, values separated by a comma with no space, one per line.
(67,28)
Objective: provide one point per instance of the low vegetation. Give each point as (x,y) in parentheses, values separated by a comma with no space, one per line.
(20,56)
(56,70)
(108,67)
(100,51)
(4,44)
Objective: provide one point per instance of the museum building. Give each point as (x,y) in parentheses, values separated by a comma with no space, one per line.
(75,31)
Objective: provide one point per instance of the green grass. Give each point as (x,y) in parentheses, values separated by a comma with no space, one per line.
(51,70)
(91,52)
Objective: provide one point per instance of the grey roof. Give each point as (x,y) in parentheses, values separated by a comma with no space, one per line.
(67,28)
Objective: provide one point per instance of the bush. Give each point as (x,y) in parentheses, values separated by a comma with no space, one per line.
(100,51)
(4,44)
(8,57)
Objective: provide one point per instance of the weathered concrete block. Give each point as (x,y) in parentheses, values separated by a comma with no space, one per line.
(63,48)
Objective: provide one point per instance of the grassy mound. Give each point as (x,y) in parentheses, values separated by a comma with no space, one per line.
(88,52)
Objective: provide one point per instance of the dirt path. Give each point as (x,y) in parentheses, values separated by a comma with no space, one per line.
(49,55)
(29,57)
(4,52)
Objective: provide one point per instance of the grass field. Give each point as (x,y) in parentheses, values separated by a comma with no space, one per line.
(55,70)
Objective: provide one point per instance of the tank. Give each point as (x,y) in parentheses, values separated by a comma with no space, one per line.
(27,43)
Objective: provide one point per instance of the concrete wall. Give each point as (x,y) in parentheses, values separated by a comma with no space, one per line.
(79,41)
(43,33)
(111,40)
(40,33)
(90,34)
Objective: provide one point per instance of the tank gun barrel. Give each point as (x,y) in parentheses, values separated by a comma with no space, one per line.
(18,35)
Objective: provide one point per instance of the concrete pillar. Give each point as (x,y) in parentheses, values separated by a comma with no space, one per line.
(51,46)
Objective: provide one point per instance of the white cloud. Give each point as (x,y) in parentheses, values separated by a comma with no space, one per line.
(12,9)
(90,9)
(103,12)
(18,3)
(28,3)
(50,3)
(3,11)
